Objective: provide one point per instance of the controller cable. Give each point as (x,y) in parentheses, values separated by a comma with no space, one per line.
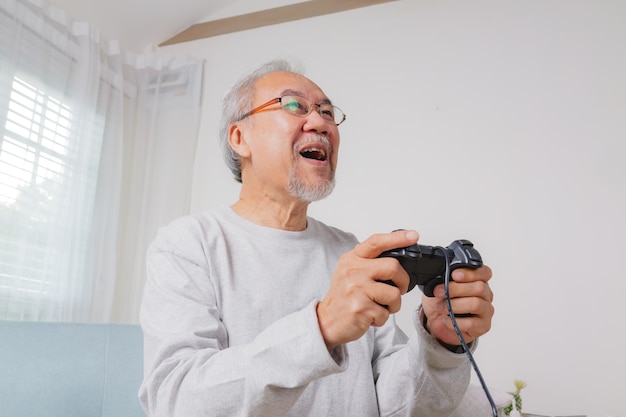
(494,409)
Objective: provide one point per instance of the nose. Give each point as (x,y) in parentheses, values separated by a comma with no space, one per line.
(315,121)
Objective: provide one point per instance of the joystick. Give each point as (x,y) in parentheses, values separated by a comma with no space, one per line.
(426,265)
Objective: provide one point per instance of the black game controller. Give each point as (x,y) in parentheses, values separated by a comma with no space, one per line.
(426,265)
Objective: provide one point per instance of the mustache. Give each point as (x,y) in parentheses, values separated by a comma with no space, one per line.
(299,144)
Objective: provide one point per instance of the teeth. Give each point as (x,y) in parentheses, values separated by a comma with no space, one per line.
(314,153)
(319,151)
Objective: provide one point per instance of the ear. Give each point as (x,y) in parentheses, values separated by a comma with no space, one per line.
(237,140)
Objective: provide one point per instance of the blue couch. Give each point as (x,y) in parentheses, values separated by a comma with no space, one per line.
(94,370)
(70,370)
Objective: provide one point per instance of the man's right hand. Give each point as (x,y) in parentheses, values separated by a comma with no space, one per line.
(356,299)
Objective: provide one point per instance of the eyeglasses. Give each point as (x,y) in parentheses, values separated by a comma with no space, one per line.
(300,106)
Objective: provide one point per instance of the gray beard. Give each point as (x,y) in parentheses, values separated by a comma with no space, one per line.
(299,189)
(305,192)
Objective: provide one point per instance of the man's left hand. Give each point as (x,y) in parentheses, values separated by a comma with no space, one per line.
(470,296)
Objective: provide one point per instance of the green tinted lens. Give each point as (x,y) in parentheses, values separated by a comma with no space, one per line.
(301,107)
(295,105)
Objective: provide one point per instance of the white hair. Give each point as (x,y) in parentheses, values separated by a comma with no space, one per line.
(239,100)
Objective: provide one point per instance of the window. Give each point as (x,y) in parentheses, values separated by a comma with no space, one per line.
(35,163)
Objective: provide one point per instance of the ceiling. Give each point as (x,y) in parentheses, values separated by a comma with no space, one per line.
(142,24)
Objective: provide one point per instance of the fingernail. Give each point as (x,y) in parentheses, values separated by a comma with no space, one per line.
(412,235)
(440,292)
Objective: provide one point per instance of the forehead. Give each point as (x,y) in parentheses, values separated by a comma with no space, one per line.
(277,83)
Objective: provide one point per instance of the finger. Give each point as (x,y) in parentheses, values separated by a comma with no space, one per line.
(470,328)
(479,289)
(372,310)
(378,243)
(473,327)
(483,273)
(387,296)
(392,273)
(472,307)
(380,316)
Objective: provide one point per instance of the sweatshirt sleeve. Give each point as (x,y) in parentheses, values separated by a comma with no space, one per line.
(418,376)
(190,369)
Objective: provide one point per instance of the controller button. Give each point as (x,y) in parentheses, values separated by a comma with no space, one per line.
(473,255)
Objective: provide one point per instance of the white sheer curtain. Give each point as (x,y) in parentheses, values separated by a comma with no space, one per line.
(96,153)
(158,169)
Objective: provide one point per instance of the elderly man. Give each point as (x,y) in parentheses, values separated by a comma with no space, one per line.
(259,310)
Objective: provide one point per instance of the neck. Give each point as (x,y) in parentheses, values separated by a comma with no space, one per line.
(285,215)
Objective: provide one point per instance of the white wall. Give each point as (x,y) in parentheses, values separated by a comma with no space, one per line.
(498,121)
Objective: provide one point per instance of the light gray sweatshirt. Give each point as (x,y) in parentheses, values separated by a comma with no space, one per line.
(230,329)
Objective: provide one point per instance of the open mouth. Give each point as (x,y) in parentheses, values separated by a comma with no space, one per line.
(317,154)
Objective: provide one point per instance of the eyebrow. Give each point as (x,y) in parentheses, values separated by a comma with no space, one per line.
(290,92)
